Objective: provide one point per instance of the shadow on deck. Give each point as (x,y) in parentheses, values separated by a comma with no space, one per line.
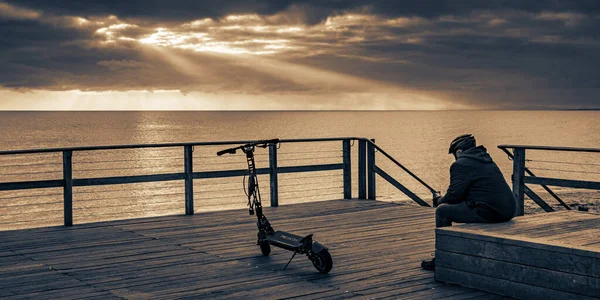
(376,247)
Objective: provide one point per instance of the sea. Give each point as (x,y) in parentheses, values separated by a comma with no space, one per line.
(417,139)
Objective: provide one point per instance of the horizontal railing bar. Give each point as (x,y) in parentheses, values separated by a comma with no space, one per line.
(560,170)
(26,185)
(561,162)
(551,148)
(563,182)
(128,179)
(265,171)
(228,173)
(165,145)
(310,168)
(160,177)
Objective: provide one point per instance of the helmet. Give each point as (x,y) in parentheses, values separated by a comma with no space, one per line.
(462,142)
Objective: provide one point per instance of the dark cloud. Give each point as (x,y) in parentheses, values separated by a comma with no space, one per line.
(483,53)
(187,10)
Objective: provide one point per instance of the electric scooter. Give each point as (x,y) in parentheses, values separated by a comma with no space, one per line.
(316,252)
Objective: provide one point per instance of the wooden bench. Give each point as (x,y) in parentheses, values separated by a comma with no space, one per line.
(544,256)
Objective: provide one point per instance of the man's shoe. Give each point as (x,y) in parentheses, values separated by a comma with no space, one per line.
(428,265)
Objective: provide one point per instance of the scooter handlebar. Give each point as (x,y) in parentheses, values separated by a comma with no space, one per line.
(262,143)
(226,151)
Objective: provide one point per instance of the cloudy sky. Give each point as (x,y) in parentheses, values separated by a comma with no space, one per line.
(299,54)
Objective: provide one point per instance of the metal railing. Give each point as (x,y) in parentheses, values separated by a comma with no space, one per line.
(366,171)
(519,178)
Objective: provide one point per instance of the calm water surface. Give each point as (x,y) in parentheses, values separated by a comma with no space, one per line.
(419,140)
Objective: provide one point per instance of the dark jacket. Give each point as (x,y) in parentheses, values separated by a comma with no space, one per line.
(477,180)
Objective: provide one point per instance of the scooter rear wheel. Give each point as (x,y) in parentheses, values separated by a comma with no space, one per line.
(322,261)
(265,248)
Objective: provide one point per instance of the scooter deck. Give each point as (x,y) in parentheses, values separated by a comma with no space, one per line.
(285,240)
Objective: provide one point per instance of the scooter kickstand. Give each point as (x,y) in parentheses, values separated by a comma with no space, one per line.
(290,260)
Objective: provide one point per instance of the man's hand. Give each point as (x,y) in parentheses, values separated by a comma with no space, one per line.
(436,198)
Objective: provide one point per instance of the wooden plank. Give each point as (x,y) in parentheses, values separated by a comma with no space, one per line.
(555,258)
(580,237)
(68,293)
(532,226)
(533,239)
(443,292)
(535,276)
(502,286)
(377,248)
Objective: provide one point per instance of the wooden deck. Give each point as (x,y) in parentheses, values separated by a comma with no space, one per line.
(544,256)
(376,246)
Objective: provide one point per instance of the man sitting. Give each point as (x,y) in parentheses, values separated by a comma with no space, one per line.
(478,192)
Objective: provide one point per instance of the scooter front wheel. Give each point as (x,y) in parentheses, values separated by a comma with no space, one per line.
(322,261)
(265,248)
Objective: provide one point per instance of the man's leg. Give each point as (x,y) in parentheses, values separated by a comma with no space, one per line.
(445,214)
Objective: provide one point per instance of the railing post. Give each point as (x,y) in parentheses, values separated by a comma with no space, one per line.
(517,178)
(347,169)
(68,187)
(362,169)
(371,171)
(188,165)
(273,175)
